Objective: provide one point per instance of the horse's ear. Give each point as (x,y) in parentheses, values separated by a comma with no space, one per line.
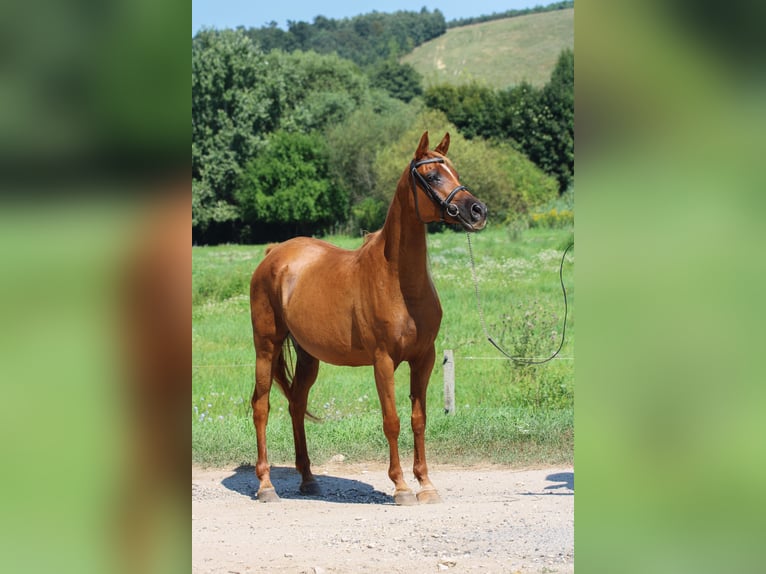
(444,145)
(422,146)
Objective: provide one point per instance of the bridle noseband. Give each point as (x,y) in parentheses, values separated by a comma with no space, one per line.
(446,205)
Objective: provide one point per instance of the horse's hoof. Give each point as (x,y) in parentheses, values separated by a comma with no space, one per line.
(405,498)
(268,495)
(429,497)
(310,488)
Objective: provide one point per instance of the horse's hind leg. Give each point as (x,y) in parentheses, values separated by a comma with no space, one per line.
(306,370)
(266,354)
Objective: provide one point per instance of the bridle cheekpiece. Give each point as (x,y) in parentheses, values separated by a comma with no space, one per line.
(446,205)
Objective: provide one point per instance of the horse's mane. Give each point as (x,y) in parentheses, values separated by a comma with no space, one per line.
(369,236)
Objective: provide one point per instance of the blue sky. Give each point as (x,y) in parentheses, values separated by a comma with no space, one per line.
(250,13)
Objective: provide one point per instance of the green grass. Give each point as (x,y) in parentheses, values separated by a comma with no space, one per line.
(505,413)
(500,53)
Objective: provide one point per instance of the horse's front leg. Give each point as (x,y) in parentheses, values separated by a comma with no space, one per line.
(420,373)
(384,381)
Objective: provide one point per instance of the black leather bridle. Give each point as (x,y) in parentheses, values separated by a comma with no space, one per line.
(446,205)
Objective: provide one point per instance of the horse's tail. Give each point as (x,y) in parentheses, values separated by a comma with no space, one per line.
(284,374)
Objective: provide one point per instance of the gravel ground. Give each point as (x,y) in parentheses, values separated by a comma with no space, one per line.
(492,519)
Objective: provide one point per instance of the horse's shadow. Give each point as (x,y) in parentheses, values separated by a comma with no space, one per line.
(567,478)
(565,486)
(287,482)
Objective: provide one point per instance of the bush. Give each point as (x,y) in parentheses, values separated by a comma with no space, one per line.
(353,149)
(287,185)
(498,175)
(531,332)
(533,184)
(551,392)
(556,214)
(369,214)
(552,218)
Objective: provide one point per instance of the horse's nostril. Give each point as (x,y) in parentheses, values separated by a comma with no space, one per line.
(478,211)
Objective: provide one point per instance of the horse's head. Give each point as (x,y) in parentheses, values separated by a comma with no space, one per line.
(432,175)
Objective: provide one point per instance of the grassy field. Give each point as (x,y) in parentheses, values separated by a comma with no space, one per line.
(499,53)
(505,413)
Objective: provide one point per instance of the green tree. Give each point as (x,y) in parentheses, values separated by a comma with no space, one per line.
(557,111)
(541,122)
(520,120)
(207,211)
(230,114)
(478,110)
(287,187)
(364,39)
(272,37)
(401,81)
(314,90)
(239,97)
(538,122)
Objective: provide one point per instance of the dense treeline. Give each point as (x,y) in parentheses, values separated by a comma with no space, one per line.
(288,142)
(539,122)
(510,14)
(365,39)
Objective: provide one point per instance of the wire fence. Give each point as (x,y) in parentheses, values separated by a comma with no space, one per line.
(458,357)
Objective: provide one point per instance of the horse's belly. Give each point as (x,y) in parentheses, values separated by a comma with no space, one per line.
(328,333)
(329,347)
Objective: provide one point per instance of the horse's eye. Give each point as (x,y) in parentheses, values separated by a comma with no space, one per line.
(432,177)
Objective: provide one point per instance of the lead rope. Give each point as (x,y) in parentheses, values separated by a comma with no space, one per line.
(521,360)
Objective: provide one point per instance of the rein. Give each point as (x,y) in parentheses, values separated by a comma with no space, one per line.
(449,208)
(519,360)
(446,205)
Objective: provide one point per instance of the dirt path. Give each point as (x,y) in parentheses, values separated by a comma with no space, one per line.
(493,519)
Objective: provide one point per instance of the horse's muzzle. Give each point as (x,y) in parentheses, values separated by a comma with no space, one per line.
(471,215)
(479,213)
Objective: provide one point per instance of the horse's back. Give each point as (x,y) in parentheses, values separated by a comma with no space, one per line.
(311,265)
(302,246)
(301,255)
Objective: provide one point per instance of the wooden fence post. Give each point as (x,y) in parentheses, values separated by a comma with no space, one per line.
(449,382)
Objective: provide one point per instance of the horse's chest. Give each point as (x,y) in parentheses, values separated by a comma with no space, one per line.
(413,323)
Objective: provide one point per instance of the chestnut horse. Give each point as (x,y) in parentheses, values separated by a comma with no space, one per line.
(373,306)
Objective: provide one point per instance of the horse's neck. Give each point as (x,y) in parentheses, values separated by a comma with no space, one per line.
(404,241)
